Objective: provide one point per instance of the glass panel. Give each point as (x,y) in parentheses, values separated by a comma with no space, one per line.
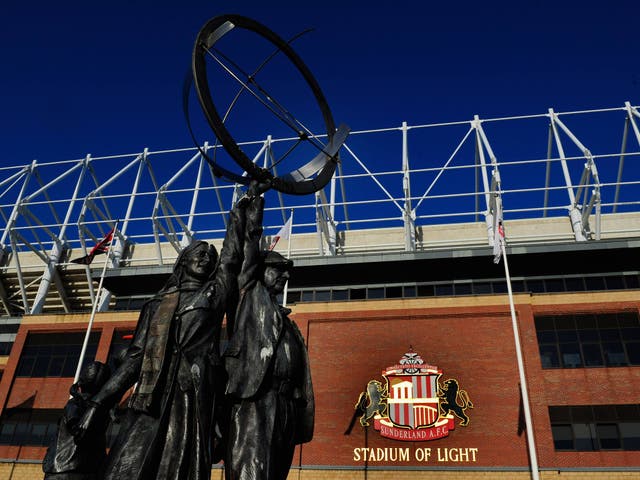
(547,336)
(323,295)
(549,356)
(633,352)
(544,323)
(410,291)
(500,287)
(6,433)
(610,334)
(583,437)
(594,283)
(608,436)
(293,297)
(337,295)
(615,283)
(554,285)
(614,353)
(518,286)
(375,293)
(463,288)
(567,336)
(444,290)
(632,281)
(358,293)
(41,367)
(592,355)
(574,284)
(306,296)
(393,292)
(26,367)
(582,413)
(632,333)
(38,432)
(589,335)
(630,434)
(481,288)
(425,290)
(562,437)
(535,286)
(570,354)
(559,414)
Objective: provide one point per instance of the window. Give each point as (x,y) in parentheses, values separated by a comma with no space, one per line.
(595,427)
(119,344)
(29,427)
(5,348)
(577,341)
(54,354)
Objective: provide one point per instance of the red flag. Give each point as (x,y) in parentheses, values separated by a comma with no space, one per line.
(101,247)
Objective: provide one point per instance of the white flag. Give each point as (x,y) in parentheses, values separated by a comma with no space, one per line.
(498,231)
(283,233)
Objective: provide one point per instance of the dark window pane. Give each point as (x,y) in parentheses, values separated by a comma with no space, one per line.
(393,292)
(6,433)
(425,291)
(594,283)
(567,336)
(55,367)
(337,295)
(583,437)
(481,288)
(560,414)
(632,333)
(409,292)
(41,367)
(589,335)
(582,414)
(615,283)
(628,412)
(375,293)
(444,290)
(518,286)
(633,352)
(574,284)
(500,287)
(565,322)
(604,413)
(306,296)
(570,355)
(608,436)
(463,288)
(323,295)
(293,297)
(610,334)
(592,355)
(630,434)
(632,281)
(535,286)
(547,336)
(549,356)
(544,323)
(562,437)
(613,353)
(358,293)
(554,285)
(26,366)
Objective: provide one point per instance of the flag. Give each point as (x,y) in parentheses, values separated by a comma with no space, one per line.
(101,247)
(283,233)
(498,231)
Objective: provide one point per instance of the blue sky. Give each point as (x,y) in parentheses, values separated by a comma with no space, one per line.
(105,78)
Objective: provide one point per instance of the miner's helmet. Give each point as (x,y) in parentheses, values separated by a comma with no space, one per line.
(274,259)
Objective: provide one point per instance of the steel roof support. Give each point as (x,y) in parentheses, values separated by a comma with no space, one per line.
(579,213)
(59,249)
(408,214)
(629,120)
(325,225)
(482,144)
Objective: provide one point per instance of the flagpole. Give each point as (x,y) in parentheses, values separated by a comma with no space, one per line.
(96,299)
(286,285)
(523,384)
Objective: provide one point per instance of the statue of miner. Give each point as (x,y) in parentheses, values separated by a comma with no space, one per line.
(269,384)
(174,362)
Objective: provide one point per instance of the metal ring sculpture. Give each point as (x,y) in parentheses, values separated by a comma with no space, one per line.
(308,178)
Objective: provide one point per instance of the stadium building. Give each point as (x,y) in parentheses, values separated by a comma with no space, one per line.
(394,287)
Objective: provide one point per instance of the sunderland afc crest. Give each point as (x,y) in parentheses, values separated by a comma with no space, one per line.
(412,404)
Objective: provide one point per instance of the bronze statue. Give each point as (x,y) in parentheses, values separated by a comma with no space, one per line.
(174,363)
(269,386)
(65,459)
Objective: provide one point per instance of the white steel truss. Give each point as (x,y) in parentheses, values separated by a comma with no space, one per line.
(589,167)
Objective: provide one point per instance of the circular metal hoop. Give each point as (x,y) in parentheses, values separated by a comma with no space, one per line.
(309,177)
